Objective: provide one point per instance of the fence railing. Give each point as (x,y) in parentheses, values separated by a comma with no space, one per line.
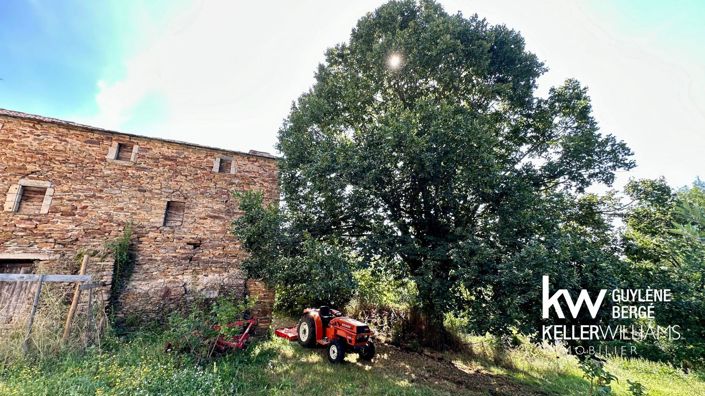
(82,281)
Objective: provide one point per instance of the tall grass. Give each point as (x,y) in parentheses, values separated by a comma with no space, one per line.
(552,368)
(45,339)
(140,365)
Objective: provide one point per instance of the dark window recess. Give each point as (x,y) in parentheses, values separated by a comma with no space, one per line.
(31,200)
(226,165)
(174,215)
(124,152)
(14,295)
(16,266)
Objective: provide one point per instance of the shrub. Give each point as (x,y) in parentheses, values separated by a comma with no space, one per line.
(379,289)
(320,275)
(225,311)
(304,270)
(382,301)
(192,332)
(636,389)
(600,379)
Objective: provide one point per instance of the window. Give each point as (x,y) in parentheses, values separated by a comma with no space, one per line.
(29,197)
(31,200)
(223,165)
(174,214)
(123,152)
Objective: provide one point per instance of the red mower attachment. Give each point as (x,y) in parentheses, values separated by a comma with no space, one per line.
(287,332)
(327,327)
(223,343)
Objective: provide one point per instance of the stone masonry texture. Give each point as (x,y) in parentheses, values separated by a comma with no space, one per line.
(92,196)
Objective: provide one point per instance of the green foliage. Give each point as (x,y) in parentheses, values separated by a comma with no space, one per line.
(456,324)
(123,264)
(636,389)
(138,365)
(448,169)
(228,310)
(600,379)
(191,334)
(380,290)
(262,233)
(305,271)
(320,275)
(665,242)
(191,331)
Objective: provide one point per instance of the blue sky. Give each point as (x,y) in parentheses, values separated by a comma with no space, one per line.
(224,73)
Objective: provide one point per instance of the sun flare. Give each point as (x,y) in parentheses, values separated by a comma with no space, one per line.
(394,61)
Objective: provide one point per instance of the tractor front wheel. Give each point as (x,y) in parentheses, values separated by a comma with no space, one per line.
(306,330)
(336,351)
(367,352)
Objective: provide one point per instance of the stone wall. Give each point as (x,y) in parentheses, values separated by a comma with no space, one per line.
(264,298)
(92,193)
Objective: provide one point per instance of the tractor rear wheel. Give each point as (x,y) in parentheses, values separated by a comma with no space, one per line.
(306,330)
(336,351)
(368,351)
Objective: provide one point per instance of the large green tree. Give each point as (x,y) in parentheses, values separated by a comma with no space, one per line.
(664,242)
(422,146)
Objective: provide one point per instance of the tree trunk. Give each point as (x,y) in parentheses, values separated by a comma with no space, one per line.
(427,325)
(434,334)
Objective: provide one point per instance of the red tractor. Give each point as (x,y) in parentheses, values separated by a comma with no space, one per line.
(327,327)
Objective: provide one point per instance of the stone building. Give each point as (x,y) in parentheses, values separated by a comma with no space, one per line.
(72,188)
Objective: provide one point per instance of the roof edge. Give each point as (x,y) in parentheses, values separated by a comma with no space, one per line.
(35,117)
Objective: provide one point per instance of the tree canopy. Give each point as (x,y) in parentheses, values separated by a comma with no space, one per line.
(422,147)
(664,242)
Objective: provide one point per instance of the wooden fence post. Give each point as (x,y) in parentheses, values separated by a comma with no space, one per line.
(30,321)
(74,303)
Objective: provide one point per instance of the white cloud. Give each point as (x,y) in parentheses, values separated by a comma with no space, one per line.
(226,73)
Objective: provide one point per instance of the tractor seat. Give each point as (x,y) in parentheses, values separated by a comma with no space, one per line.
(325,314)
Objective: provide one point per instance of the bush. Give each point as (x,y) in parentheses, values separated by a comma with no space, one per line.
(320,275)
(381,301)
(191,334)
(225,311)
(600,379)
(192,331)
(379,289)
(305,271)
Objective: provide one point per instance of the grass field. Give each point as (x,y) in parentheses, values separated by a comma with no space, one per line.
(275,367)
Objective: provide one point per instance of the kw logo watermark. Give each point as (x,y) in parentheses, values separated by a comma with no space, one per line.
(626,304)
(583,298)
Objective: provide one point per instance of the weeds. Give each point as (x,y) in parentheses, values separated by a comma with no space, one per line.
(139,365)
(600,379)
(190,334)
(45,339)
(636,389)
(195,331)
(123,266)
(225,311)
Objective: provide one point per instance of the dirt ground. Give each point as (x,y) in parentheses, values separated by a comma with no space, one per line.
(446,372)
